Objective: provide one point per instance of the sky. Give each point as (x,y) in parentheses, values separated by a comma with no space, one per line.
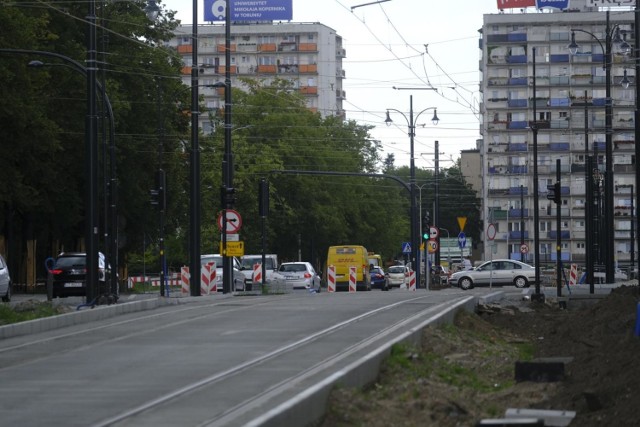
(408,44)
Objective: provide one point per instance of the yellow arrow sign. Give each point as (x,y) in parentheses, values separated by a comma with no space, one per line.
(462,221)
(233,249)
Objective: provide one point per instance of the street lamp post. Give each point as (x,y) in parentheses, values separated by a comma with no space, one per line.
(611,33)
(415,265)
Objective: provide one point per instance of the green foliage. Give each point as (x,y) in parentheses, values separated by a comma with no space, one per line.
(28,311)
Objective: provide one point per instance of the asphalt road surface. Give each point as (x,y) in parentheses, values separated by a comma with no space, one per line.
(213,361)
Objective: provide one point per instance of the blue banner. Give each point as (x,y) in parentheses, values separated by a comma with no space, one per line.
(249,10)
(556,4)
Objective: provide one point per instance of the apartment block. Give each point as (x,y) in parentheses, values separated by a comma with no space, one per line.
(308,54)
(568,108)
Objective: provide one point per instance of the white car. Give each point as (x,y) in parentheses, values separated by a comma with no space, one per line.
(237,284)
(300,275)
(497,272)
(5,281)
(248,261)
(397,275)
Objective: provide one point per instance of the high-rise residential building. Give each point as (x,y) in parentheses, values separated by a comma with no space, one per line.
(307,54)
(566,102)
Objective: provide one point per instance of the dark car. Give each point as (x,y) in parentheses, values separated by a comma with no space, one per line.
(68,276)
(378,281)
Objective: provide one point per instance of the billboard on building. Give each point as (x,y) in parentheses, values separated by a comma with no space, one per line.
(556,4)
(249,10)
(512,4)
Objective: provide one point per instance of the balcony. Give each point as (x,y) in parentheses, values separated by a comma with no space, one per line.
(564,57)
(519,213)
(517,124)
(517,234)
(185,48)
(267,47)
(517,147)
(313,47)
(309,68)
(560,102)
(517,103)
(560,124)
(309,90)
(517,169)
(516,59)
(564,234)
(267,69)
(559,146)
(518,81)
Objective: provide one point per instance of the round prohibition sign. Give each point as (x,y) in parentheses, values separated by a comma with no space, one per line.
(233,221)
(491,232)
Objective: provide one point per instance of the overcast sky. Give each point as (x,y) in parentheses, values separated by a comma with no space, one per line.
(403,43)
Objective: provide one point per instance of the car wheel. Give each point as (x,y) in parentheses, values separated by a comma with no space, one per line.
(465,283)
(520,282)
(7,296)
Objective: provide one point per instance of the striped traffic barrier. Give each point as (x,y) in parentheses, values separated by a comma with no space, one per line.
(573,274)
(352,279)
(412,281)
(184,280)
(205,277)
(331,278)
(257,273)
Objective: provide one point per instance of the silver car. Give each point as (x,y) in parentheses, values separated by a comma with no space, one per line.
(237,284)
(5,281)
(397,276)
(300,275)
(497,272)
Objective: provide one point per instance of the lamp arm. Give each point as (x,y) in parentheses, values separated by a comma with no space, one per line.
(426,109)
(604,51)
(401,113)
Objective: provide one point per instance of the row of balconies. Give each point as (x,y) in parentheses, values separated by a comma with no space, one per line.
(255,47)
(564,101)
(257,69)
(594,125)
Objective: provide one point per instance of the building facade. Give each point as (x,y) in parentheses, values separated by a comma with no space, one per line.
(308,54)
(568,109)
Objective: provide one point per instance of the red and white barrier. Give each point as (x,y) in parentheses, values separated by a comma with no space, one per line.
(184,280)
(257,273)
(331,278)
(352,279)
(154,282)
(207,273)
(412,280)
(573,274)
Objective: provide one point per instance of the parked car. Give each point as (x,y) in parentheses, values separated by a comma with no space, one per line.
(378,279)
(497,272)
(300,275)
(68,275)
(397,275)
(248,261)
(237,284)
(5,281)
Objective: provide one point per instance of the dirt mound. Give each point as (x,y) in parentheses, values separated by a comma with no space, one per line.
(465,372)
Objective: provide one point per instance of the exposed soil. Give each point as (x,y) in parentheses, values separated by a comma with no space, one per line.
(466,372)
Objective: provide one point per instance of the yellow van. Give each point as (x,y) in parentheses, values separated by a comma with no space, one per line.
(343,257)
(375,260)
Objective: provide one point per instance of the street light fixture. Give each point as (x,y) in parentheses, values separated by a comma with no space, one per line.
(415,265)
(612,35)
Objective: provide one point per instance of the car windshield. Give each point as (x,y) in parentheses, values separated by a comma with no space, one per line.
(71,261)
(216,259)
(248,263)
(396,269)
(293,267)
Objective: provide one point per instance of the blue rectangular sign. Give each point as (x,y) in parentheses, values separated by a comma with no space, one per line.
(556,4)
(249,10)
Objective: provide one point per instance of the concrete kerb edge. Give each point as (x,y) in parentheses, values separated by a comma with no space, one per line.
(310,405)
(89,315)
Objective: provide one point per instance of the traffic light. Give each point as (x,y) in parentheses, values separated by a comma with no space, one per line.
(426,220)
(263,198)
(553,192)
(228,197)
